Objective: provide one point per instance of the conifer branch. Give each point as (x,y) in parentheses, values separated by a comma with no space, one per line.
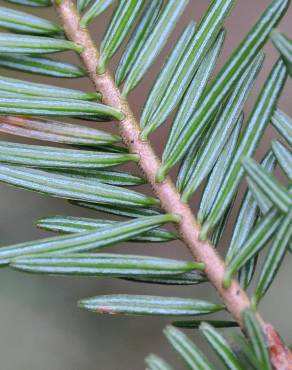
(234,297)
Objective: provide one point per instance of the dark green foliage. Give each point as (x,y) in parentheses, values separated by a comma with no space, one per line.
(101,264)
(123,18)
(98,7)
(71,225)
(257,339)
(21,22)
(149,305)
(221,87)
(85,241)
(41,66)
(209,138)
(23,44)
(284,46)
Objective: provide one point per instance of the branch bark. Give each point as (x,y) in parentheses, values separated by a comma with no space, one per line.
(233,297)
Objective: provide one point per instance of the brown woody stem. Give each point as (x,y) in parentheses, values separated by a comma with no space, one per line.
(233,297)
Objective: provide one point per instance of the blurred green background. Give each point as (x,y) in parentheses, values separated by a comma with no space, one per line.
(41,327)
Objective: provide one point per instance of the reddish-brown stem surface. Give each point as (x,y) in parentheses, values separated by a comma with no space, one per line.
(234,297)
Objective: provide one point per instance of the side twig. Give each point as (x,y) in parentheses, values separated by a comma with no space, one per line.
(234,297)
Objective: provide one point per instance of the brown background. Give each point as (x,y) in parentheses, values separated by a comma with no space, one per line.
(40,325)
